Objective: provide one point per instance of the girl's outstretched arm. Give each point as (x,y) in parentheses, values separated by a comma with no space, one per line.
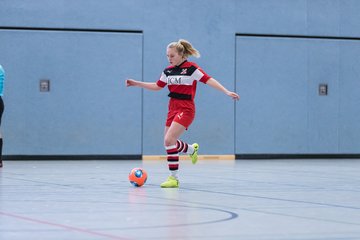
(215,84)
(147,85)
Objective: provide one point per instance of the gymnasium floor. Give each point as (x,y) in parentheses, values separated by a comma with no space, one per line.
(243,199)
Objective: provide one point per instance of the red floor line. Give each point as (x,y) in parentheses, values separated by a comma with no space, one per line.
(70,228)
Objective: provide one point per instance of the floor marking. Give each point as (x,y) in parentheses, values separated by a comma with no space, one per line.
(66,227)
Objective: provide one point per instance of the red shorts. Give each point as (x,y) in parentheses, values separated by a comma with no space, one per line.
(180,111)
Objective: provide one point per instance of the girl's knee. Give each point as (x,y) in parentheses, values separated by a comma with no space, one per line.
(169,141)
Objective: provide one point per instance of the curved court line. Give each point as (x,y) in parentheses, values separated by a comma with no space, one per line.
(288,215)
(301,217)
(276,199)
(232,215)
(274,213)
(66,227)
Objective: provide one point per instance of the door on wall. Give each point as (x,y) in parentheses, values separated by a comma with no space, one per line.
(87,109)
(281,110)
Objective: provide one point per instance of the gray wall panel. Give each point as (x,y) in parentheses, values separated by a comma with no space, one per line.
(88,110)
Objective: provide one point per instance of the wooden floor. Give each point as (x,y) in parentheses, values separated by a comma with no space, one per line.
(226,199)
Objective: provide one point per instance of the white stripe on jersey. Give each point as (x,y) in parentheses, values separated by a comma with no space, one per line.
(197,75)
(163,77)
(181,79)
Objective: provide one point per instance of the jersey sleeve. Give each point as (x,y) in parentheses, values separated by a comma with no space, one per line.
(201,76)
(162,81)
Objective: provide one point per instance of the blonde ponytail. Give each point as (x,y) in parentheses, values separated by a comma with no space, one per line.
(184,48)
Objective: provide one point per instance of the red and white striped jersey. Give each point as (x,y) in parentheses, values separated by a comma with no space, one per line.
(182,79)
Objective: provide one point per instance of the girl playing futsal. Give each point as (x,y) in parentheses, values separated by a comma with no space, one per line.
(2,77)
(181,77)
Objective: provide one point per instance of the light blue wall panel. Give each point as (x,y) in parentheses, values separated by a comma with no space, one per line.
(271,17)
(349,97)
(88,110)
(349,18)
(323,17)
(281,110)
(323,111)
(271,77)
(299,17)
(110,14)
(282,71)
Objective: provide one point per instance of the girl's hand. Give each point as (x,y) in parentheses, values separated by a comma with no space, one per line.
(130,82)
(233,95)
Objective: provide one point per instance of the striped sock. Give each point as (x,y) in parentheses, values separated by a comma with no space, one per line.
(173,159)
(184,147)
